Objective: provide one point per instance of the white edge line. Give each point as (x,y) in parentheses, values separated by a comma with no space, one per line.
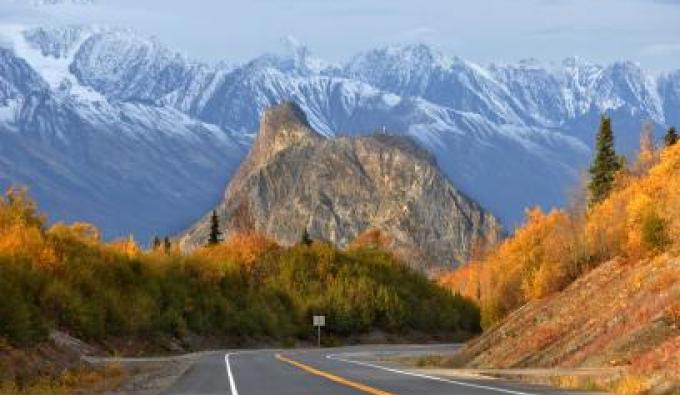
(424,376)
(232,383)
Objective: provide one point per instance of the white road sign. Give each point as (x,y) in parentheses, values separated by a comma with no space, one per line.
(319,320)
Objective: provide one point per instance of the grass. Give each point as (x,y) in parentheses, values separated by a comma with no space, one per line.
(427,361)
(70,381)
(630,384)
(620,383)
(624,384)
(577,383)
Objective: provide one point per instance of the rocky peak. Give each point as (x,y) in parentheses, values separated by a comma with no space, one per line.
(338,189)
(281,127)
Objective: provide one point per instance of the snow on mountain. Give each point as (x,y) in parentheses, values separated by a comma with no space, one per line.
(669,90)
(557,94)
(127,166)
(117,122)
(125,67)
(625,84)
(50,52)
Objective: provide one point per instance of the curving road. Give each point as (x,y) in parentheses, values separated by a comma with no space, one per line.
(339,371)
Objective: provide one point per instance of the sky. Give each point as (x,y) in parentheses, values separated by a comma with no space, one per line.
(484,31)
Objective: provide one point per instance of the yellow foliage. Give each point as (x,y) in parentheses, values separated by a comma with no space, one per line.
(127,247)
(16,208)
(241,247)
(465,280)
(21,232)
(70,381)
(640,218)
(630,385)
(372,238)
(78,232)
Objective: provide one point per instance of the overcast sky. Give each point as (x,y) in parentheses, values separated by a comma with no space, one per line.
(647,31)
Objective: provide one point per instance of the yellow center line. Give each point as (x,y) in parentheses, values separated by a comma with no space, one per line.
(332,377)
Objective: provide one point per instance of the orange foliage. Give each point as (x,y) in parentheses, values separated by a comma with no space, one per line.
(640,218)
(127,247)
(465,280)
(375,238)
(242,247)
(21,230)
(77,232)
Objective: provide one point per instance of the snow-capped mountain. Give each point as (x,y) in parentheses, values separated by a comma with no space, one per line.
(127,166)
(108,126)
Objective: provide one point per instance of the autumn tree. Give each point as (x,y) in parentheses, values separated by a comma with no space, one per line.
(66,277)
(647,155)
(215,233)
(605,164)
(671,137)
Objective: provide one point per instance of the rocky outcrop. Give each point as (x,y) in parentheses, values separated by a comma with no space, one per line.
(295,179)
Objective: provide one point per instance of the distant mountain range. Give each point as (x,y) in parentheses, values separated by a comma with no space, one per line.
(108,126)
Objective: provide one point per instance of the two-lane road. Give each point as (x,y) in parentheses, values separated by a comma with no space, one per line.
(340,371)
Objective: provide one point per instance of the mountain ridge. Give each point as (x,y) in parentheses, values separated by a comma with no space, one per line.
(473,119)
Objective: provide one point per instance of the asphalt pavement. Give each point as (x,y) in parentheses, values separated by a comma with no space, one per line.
(337,371)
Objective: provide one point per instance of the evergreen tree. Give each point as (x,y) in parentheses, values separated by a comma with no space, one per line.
(215,234)
(306,239)
(671,137)
(605,164)
(167,245)
(156,245)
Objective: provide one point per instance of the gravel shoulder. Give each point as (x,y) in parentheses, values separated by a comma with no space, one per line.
(149,375)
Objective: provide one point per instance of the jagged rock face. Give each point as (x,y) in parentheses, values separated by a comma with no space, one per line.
(295,179)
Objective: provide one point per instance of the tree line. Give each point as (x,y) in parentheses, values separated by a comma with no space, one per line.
(241,289)
(629,210)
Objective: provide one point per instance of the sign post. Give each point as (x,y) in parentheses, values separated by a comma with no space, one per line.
(319,321)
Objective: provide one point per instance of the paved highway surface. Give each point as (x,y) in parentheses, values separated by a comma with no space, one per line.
(338,371)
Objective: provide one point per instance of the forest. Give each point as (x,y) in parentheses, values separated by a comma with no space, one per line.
(628,210)
(246,288)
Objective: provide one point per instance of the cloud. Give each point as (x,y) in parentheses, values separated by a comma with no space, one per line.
(483,30)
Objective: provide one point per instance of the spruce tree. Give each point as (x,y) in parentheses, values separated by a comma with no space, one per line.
(156,243)
(167,245)
(306,239)
(605,164)
(215,234)
(671,137)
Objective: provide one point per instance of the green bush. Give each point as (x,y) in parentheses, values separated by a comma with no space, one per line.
(95,290)
(654,233)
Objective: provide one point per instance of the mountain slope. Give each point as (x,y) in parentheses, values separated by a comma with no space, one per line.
(620,314)
(294,179)
(124,166)
(594,288)
(532,121)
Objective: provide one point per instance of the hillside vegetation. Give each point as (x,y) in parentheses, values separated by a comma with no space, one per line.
(588,287)
(639,220)
(621,314)
(246,290)
(65,277)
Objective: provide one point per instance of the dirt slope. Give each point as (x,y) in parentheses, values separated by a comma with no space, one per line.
(620,314)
